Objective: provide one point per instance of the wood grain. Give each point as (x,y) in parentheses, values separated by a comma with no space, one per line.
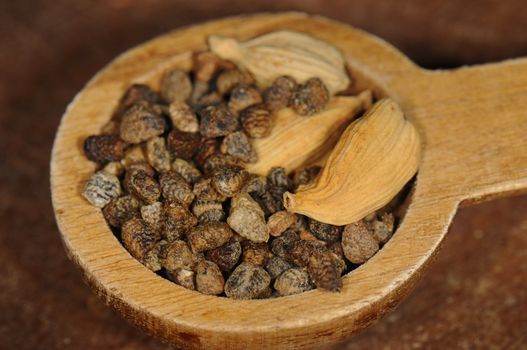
(458,164)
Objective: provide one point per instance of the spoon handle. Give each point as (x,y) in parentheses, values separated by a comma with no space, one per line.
(474,123)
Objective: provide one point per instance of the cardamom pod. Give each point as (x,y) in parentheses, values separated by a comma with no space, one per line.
(374,158)
(295,139)
(290,53)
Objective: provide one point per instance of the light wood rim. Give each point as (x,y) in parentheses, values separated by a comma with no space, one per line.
(194,320)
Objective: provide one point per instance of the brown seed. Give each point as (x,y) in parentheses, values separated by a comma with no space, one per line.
(278,95)
(133,155)
(217,121)
(279,222)
(153,215)
(120,210)
(247,281)
(182,277)
(226,256)
(325,232)
(208,211)
(138,237)
(238,145)
(104,148)
(302,250)
(219,161)
(209,236)
(157,154)
(209,279)
(178,256)
(255,184)
(324,272)
(340,263)
(101,188)
(155,256)
(199,89)
(138,183)
(136,94)
(293,281)
(247,218)
(176,86)
(206,64)
(144,166)
(310,98)
(276,266)
(228,79)
(141,124)
(114,168)
(256,253)
(306,175)
(175,188)
(256,121)
(188,171)
(209,99)
(206,149)
(336,248)
(358,243)
(178,220)
(203,190)
(243,96)
(182,117)
(228,181)
(282,245)
(277,177)
(383,228)
(183,144)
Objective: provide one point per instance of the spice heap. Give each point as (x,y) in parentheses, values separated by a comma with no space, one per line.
(174,185)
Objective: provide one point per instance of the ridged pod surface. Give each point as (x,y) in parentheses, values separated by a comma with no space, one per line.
(374,158)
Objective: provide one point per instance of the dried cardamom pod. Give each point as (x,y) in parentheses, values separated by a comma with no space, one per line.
(295,54)
(374,158)
(287,145)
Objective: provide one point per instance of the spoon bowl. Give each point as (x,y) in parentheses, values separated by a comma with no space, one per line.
(472,122)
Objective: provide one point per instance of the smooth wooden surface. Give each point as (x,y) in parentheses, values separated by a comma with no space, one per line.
(492,166)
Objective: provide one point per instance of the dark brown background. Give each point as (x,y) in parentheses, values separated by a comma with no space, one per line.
(475,294)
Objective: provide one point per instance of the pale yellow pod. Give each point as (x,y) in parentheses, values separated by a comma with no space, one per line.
(285,52)
(374,158)
(297,140)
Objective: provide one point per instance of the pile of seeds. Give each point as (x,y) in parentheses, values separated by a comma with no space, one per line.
(172,184)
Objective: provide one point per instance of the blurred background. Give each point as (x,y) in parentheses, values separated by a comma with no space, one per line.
(473,297)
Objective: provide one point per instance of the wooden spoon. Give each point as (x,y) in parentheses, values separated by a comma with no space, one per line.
(473,122)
